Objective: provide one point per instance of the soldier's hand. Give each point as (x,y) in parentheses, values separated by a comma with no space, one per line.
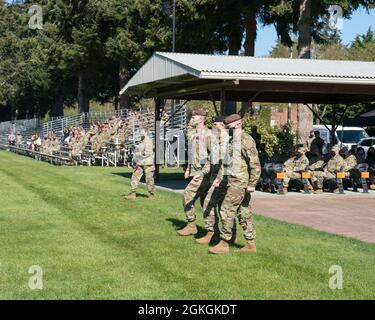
(197,177)
(250,189)
(217,182)
(187,174)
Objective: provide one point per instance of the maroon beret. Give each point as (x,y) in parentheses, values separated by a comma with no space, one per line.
(232,118)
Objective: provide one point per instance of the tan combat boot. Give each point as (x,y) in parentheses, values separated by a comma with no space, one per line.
(206,239)
(189,230)
(318,191)
(221,248)
(337,190)
(151,196)
(285,190)
(132,196)
(249,247)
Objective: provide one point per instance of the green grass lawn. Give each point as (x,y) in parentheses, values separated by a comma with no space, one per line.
(92,244)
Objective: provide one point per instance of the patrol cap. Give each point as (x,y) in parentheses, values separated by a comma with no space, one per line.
(232,118)
(335,148)
(218,119)
(344,149)
(199,112)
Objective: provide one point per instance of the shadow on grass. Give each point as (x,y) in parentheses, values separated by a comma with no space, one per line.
(179,224)
(123,174)
(139,195)
(163,176)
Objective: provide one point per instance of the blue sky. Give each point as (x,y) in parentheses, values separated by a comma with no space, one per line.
(359,24)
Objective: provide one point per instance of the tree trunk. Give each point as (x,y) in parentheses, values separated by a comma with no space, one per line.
(234,46)
(251,33)
(249,45)
(124,77)
(304,30)
(58,106)
(305,118)
(83,101)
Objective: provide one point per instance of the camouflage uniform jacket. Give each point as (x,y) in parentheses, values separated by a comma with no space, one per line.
(350,163)
(317,165)
(199,151)
(242,168)
(219,145)
(334,165)
(296,164)
(144,154)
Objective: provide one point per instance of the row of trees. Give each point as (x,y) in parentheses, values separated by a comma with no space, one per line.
(88,49)
(361,48)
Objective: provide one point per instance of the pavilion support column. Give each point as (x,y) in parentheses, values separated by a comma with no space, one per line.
(226,107)
(334,125)
(223,101)
(159,148)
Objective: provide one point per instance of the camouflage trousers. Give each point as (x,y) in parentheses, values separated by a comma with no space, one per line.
(195,190)
(137,175)
(236,203)
(211,206)
(318,177)
(291,175)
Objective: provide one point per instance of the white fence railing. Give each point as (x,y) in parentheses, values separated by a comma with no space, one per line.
(21,126)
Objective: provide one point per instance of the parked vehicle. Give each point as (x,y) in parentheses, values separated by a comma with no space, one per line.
(345,136)
(367,143)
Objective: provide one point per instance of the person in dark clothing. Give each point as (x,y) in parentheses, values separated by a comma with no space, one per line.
(256,136)
(263,155)
(317,145)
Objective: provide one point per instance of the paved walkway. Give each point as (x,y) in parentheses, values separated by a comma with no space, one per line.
(351,215)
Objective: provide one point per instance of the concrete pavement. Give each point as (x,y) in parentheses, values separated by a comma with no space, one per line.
(351,214)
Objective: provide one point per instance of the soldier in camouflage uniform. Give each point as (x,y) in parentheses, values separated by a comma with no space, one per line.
(350,160)
(241,173)
(144,160)
(96,143)
(329,170)
(55,145)
(294,167)
(198,169)
(44,145)
(18,139)
(216,193)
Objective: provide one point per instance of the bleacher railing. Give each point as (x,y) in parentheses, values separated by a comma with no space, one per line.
(58,124)
(25,127)
(172,129)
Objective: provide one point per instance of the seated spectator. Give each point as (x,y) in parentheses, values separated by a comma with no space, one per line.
(11,139)
(361,155)
(295,166)
(37,143)
(350,160)
(18,139)
(330,169)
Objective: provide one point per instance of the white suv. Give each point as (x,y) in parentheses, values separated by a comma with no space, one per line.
(366,143)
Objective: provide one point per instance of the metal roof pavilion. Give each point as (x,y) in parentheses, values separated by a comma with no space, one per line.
(239,78)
